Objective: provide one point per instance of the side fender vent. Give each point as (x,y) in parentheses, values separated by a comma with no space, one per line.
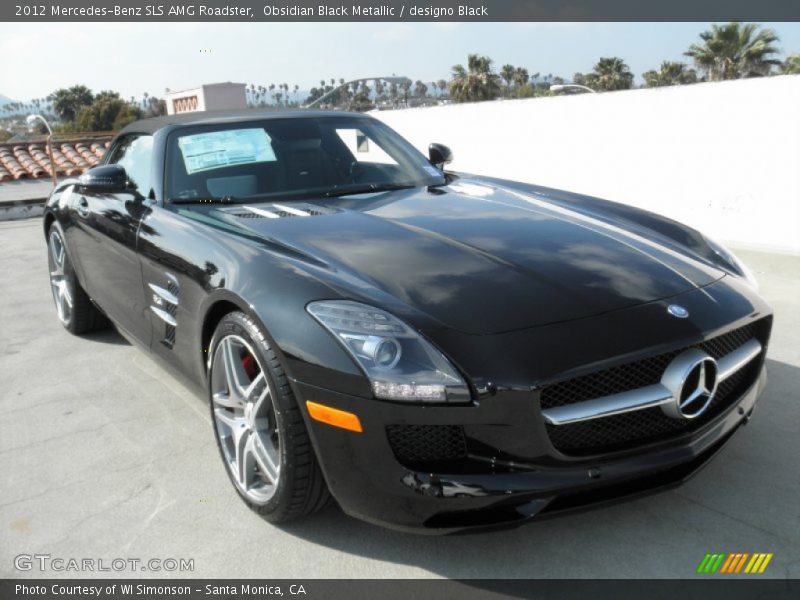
(164,304)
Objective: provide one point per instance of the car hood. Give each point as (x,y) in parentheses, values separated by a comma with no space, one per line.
(477,258)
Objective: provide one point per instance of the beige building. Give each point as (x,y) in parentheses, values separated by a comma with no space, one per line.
(211,96)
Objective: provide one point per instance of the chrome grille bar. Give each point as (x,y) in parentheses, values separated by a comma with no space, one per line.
(605,406)
(644,397)
(730,363)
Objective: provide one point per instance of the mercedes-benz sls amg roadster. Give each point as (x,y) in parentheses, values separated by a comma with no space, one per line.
(431,350)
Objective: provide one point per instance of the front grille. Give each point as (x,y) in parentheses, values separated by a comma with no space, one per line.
(623,431)
(413,444)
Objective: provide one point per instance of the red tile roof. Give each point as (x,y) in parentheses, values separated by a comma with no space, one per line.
(20,160)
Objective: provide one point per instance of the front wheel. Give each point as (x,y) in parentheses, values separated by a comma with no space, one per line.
(259,429)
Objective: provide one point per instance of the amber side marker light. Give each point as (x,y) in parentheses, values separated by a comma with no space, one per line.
(334,416)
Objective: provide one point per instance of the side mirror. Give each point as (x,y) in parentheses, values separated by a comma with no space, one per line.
(439,155)
(104,179)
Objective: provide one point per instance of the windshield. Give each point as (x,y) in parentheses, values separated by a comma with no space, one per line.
(291,157)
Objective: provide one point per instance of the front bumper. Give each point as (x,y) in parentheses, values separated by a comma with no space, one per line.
(370,483)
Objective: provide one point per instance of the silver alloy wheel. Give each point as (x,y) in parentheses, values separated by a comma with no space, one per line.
(244,417)
(59,285)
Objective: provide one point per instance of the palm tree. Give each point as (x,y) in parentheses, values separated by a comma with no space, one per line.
(379,89)
(670,73)
(507,75)
(420,89)
(734,51)
(405,86)
(791,65)
(520,77)
(610,73)
(475,83)
(69,102)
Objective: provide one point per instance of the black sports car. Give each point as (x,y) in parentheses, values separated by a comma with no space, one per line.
(433,350)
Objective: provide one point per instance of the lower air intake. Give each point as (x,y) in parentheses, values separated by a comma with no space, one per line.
(427,443)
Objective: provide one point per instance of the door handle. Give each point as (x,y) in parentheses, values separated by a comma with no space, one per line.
(83,207)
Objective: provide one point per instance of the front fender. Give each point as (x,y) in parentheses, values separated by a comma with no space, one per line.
(219,268)
(308,353)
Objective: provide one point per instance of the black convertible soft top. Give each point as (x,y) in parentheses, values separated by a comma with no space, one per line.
(222,116)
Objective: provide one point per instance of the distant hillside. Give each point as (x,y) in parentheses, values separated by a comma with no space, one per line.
(5,100)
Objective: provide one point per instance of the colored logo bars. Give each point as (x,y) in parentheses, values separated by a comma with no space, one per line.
(735,562)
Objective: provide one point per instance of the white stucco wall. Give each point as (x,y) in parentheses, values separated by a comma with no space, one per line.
(225,96)
(722,157)
(211,96)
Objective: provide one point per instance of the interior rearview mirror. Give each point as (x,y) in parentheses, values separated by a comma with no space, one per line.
(439,155)
(104,178)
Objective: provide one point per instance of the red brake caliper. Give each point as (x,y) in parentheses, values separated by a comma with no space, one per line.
(250,366)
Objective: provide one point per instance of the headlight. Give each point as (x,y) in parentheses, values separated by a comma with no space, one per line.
(400,364)
(736,265)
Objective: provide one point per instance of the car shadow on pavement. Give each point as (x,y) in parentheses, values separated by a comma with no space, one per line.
(602,535)
(107,336)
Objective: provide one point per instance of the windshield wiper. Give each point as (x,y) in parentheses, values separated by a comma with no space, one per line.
(368,188)
(208,200)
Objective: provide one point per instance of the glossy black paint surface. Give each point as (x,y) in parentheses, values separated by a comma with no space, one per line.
(516,284)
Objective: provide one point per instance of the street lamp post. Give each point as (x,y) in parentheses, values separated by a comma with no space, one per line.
(392,79)
(571,86)
(31,121)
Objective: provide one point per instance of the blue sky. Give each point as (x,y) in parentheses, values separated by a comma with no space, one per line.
(134,57)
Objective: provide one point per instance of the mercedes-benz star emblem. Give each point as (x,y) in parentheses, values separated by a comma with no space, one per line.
(676,310)
(692,379)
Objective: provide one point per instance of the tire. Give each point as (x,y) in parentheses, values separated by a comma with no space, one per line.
(260,432)
(74,308)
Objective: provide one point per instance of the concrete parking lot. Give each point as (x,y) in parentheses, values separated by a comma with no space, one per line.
(105,455)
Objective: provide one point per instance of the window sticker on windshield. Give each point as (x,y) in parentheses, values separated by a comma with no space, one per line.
(433,171)
(217,149)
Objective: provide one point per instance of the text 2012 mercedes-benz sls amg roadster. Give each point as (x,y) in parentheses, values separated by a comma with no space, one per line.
(434,351)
